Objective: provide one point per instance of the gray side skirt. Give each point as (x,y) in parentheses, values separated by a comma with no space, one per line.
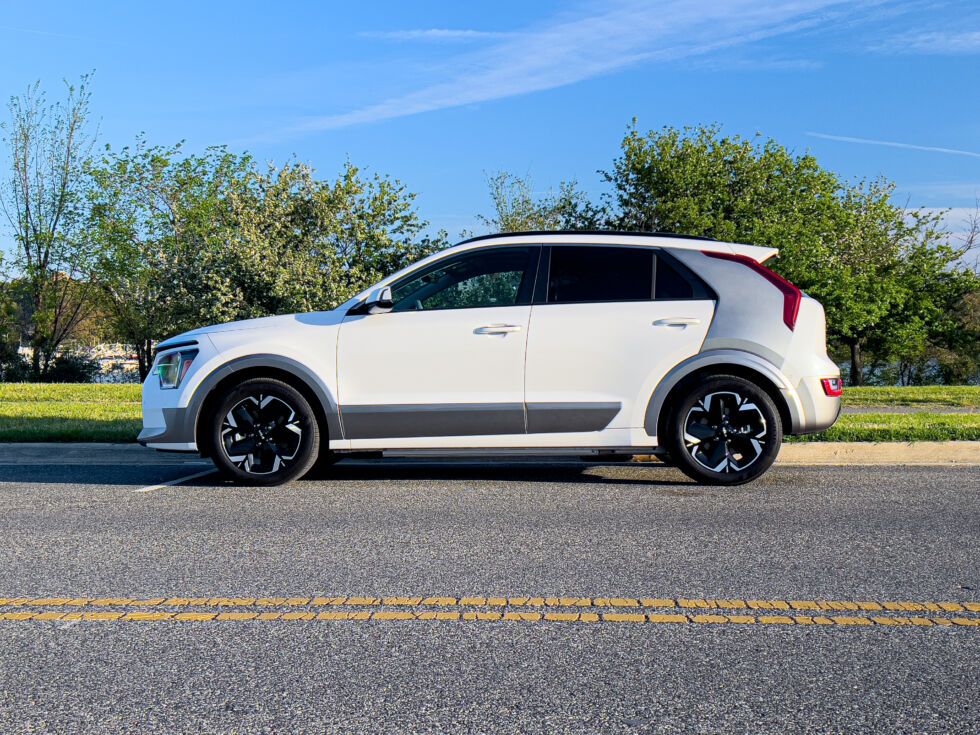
(473,419)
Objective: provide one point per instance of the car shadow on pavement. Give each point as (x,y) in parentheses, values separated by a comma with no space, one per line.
(502,471)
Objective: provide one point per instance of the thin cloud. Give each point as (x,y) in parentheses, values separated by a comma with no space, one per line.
(577,48)
(866,141)
(934,42)
(438,34)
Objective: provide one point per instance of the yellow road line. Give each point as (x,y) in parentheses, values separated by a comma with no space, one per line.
(522,617)
(682,605)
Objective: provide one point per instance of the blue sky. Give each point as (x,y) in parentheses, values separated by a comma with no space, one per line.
(437,93)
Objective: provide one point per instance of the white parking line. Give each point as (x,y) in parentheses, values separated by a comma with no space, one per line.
(179,480)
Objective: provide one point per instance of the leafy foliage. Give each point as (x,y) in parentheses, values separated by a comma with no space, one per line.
(187,240)
(43,200)
(516,209)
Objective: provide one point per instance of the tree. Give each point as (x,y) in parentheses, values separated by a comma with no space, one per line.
(44,204)
(516,209)
(879,272)
(191,240)
(155,214)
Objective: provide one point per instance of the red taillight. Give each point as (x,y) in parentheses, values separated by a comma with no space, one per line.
(791,294)
(832,386)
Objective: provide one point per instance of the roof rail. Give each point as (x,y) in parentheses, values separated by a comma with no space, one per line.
(586,232)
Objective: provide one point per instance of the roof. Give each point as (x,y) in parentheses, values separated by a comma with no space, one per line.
(606,237)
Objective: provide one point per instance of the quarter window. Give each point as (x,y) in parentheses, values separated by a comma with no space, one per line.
(671,286)
(492,277)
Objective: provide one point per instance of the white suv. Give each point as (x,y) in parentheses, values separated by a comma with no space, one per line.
(594,344)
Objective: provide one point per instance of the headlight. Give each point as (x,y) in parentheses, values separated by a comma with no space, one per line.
(171,367)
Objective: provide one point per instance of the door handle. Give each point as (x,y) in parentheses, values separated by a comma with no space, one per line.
(677,321)
(498,329)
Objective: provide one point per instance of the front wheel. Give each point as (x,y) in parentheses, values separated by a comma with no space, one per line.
(263,432)
(725,431)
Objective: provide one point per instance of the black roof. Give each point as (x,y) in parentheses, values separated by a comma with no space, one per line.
(586,232)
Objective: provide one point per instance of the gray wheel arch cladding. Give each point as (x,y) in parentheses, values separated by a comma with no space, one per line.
(253,365)
(717,360)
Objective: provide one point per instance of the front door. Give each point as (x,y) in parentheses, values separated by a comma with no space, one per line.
(446,365)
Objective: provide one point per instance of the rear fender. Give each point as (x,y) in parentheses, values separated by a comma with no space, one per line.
(717,360)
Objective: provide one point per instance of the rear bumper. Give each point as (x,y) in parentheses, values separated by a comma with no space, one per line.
(820,411)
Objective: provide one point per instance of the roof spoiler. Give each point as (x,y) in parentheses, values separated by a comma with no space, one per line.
(758,254)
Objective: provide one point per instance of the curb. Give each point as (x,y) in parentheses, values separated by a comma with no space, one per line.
(810,453)
(873,453)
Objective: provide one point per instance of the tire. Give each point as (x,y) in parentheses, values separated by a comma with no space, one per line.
(724,431)
(263,432)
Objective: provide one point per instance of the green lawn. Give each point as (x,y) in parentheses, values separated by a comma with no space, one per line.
(35,412)
(32,412)
(903,427)
(932,395)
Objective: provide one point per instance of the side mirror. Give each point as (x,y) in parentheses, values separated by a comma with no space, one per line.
(379,301)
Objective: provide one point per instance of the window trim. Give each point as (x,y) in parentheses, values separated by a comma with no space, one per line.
(525,290)
(701,290)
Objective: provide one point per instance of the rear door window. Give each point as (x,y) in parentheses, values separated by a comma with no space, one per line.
(585,273)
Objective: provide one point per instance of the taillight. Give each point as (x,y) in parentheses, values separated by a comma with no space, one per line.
(832,386)
(791,294)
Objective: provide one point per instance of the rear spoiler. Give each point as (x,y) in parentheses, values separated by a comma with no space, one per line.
(758,254)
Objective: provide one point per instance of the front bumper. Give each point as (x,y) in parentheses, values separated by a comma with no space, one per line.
(171,429)
(169,420)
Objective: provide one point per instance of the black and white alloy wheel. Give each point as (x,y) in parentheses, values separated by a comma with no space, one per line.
(264,433)
(726,431)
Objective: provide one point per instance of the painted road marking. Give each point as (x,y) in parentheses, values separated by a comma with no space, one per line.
(775,608)
(407,615)
(154,488)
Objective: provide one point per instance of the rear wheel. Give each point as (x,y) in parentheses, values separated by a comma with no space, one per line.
(725,431)
(264,432)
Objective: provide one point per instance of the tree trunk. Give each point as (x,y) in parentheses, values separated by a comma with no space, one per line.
(857,363)
(144,354)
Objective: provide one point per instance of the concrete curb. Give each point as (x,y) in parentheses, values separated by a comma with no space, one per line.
(875,453)
(811,453)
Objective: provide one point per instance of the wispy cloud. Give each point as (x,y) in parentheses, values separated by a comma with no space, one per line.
(754,65)
(866,141)
(587,45)
(932,42)
(438,34)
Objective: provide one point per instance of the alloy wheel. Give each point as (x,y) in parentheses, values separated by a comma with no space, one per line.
(261,434)
(725,432)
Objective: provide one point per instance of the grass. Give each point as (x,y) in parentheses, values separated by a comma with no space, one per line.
(34,412)
(38,412)
(902,427)
(931,395)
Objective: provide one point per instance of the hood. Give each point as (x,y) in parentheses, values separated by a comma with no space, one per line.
(267,322)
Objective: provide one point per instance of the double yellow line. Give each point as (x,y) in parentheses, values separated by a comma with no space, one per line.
(504,609)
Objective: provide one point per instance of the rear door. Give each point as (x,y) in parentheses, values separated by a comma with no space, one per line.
(607,324)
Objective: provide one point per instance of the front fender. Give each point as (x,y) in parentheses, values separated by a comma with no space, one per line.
(715,358)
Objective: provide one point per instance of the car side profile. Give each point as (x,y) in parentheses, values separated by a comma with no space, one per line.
(595,344)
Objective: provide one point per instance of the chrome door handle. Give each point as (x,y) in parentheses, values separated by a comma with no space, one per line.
(677,321)
(498,329)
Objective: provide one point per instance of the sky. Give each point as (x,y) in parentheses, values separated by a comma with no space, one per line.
(439,94)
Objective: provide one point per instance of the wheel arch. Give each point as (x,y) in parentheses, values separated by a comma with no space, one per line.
(723,362)
(289,371)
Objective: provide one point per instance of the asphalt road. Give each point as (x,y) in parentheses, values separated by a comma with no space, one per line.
(77,526)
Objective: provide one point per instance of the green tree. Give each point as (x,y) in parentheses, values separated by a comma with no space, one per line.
(43,201)
(880,273)
(517,210)
(155,215)
(190,240)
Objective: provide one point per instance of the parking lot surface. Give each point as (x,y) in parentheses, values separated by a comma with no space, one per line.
(528,595)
